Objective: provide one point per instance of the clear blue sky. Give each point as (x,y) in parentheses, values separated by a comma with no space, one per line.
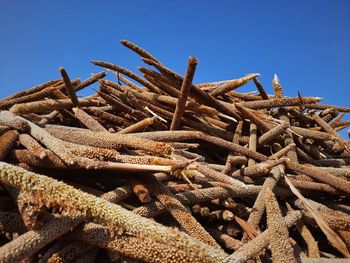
(307,43)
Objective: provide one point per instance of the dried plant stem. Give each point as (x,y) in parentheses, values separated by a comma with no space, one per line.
(46,92)
(7,141)
(312,247)
(199,196)
(320,175)
(258,169)
(319,106)
(128,73)
(108,140)
(261,89)
(16,123)
(263,126)
(196,92)
(256,245)
(139,126)
(278,232)
(87,120)
(69,87)
(32,145)
(49,141)
(252,141)
(144,248)
(34,89)
(279,102)
(233,84)
(49,104)
(106,116)
(259,204)
(272,134)
(277,87)
(325,126)
(94,78)
(191,135)
(138,50)
(31,241)
(104,211)
(185,90)
(228,241)
(179,211)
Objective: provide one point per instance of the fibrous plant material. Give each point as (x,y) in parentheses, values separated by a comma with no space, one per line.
(203,161)
(185,90)
(279,237)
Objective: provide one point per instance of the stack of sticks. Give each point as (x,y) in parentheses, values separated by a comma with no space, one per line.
(159,169)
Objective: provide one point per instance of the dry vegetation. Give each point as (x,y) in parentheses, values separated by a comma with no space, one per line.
(158,169)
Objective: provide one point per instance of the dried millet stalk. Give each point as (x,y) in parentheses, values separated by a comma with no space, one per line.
(50,104)
(185,90)
(32,145)
(7,141)
(69,87)
(47,92)
(32,241)
(320,175)
(233,84)
(128,73)
(135,247)
(104,211)
(262,241)
(278,232)
(179,211)
(34,89)
(33,213)
(139,126)
(108,140)
(87,120)
(277,87)
(70,252)
(259,204)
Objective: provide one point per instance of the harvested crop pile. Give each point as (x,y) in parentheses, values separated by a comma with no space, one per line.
(158,169)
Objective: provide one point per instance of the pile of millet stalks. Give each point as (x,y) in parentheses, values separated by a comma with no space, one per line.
(154,168)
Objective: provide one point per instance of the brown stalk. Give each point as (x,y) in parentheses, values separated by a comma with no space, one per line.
(69,87)
(262,241)
(128,73)
(32,145)
(179,211)
(277,87)
(321,176)
(88,121)
(263,126)
(196,92)
(278,232)
(139,126)
(109,140)
(279,102)
(46,92)
(49,104)
(272,134)
(252,141)
(261,89)
(33,89)
(233,84)
(185,90)
(138,50)
(7,142)
(259,204)
(106,116)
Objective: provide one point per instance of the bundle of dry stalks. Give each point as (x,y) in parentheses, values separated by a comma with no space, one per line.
(155,168)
